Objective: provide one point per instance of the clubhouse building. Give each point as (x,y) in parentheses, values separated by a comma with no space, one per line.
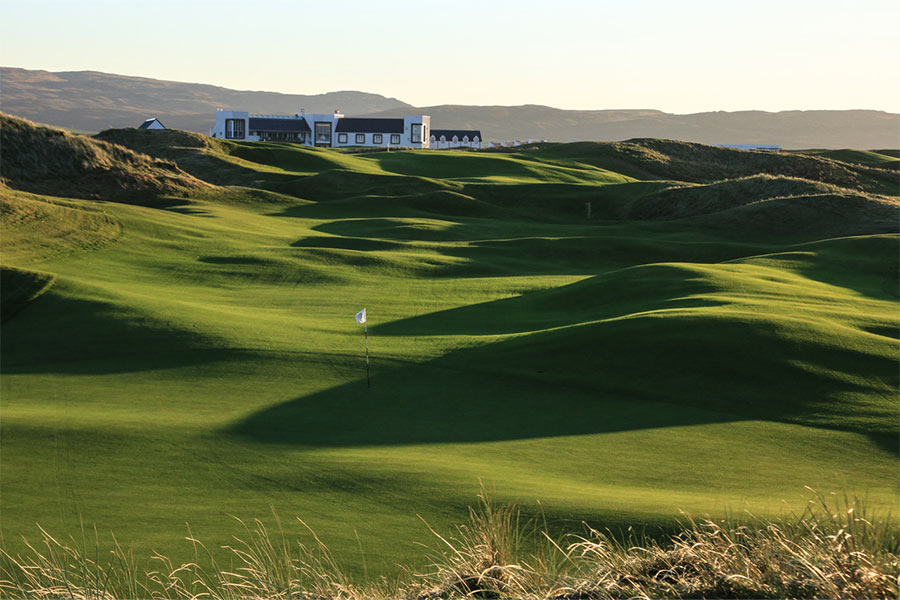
(337,131)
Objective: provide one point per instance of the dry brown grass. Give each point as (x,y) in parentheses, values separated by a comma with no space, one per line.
(836,549)
(48,160)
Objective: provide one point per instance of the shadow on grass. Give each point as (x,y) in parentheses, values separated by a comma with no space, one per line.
(698,363)
(59,334)
(607,296)
(433,404)
(346,243)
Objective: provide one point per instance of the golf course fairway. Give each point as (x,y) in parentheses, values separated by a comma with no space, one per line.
(179,344)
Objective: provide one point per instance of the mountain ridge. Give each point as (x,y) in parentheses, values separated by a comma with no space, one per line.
(92,101)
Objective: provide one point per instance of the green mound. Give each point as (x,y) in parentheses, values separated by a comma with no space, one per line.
(489,167)
(18,287)
(164,143)
(52,161)
(767,205)
(699,163)
(565,201)
(435,203)
(863,157)
(829,368)
(690,201)
(340,184)
(709,332)
(37,227)
(811,216)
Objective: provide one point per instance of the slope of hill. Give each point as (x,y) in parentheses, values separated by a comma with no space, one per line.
(91,101)
(711,340)
(864,157)
(670,159)
(48,160)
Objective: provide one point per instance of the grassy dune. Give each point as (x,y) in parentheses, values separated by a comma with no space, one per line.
(715,338)
(880,158)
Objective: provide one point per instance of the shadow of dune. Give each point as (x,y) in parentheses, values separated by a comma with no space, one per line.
(59,334)
(607,296)
(346,243)
(699,363)
(563,383)
(433,404)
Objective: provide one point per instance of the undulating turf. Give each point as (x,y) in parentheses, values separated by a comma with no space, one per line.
(697,345)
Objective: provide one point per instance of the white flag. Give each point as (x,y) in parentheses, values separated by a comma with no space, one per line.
(361,316)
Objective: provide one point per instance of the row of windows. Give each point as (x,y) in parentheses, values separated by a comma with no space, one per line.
(377,138)
(455,139)
(279,136)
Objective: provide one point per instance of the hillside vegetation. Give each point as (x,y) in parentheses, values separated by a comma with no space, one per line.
(55,162)
(179,345)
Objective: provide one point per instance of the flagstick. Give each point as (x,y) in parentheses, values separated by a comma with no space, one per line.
(366,330)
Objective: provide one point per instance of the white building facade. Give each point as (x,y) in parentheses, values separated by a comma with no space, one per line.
(324,130)
(455,138)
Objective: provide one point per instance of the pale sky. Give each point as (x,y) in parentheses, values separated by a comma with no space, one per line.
(677,56)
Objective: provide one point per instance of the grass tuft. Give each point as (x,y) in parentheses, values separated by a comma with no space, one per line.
(836,548)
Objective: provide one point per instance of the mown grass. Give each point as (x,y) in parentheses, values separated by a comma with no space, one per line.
(198,358)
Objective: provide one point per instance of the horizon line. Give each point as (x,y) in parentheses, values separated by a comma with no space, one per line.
(526,104)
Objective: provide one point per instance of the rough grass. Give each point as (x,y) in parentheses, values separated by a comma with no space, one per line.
(863,157)
(38,227)
(688,201)
(53,161)
(698,163)
(836,548)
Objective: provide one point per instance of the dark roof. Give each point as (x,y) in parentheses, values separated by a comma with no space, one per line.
(268,124)
(362,125)
(148,122)
(449,133)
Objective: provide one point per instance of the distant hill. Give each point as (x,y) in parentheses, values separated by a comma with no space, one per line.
(794,129)
(91,101)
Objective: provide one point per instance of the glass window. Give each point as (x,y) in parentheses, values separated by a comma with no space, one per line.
(342,138)
(377,138)
(360,138)
(234,129)
(416,135)
(323,133)
(395,138)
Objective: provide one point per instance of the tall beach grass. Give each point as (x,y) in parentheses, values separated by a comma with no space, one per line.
(837,548)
